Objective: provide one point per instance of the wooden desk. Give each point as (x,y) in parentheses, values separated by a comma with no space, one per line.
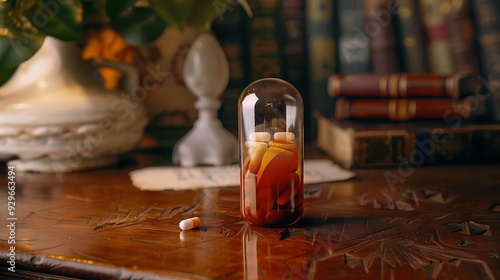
(437,223)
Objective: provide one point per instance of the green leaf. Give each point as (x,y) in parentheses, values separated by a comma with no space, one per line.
(176,12)
(115,8)
(60,19)
(139,25)
(19,40)
(5,74)
(204,12)
(15,49)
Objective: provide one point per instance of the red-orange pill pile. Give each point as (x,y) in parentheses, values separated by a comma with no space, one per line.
(272,190)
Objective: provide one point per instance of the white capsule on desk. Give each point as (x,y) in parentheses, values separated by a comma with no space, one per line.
(190,223)
(260,136)
(289,136)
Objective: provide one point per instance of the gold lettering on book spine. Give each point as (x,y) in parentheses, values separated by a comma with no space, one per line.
(393,86)
(450,90)
(401,110)
(392,109)
(403,86)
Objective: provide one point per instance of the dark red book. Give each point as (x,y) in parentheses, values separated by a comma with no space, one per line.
(404,109)
(462,38)
(401,85)
(381,32)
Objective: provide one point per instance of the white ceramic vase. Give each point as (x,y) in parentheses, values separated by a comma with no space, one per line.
(56,117)
(206,74)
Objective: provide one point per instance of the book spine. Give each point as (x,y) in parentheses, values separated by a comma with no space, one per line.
(293,40)
(412,37)
(380,30)
(410,146)
(293,44)
(365,149)
(438,44)
(457,145)
(265,59)
(230,30)
(462,38)
(354,52)
(321,54)
(395,85)
(402,109)
(485,145)
(487,19)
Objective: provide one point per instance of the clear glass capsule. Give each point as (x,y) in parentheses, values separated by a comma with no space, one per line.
(270,123)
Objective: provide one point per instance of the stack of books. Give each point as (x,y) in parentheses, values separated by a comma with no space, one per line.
(403,97)
(407,119)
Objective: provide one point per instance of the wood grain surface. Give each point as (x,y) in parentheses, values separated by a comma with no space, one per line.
(440,222)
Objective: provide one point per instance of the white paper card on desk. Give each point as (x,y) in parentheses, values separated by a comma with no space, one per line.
(185,178)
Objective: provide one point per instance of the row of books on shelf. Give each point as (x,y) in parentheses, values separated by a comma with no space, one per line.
(421,60)
(306,42)
(270,43)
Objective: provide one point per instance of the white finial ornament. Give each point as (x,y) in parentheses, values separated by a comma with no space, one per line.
(206,74)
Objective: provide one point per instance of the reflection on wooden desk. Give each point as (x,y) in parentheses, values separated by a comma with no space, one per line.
(440,222)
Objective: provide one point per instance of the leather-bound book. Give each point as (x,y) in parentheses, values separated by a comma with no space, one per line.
(292,37)
(487,19)
(354,51)
(263,40)
(293,49)
(438,45)
(321,57)
(231,34)
(380,31)
(401,85)
(365,143)
(462,37)
(411,34)
(404,109)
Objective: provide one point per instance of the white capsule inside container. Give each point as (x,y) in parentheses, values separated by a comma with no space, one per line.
(259,136)
(288,136)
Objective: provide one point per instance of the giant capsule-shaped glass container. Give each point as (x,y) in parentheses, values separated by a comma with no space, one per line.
(271,133)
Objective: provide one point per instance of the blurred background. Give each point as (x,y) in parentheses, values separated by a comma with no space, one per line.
(307,43)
